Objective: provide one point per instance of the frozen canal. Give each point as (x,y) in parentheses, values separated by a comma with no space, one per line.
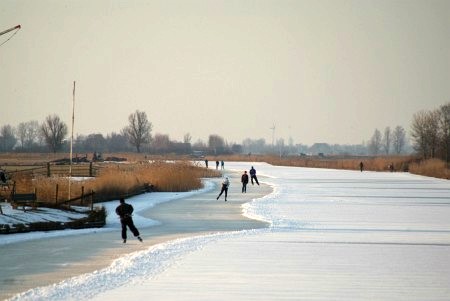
(334,235)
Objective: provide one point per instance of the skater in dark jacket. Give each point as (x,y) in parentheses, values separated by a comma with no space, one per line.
(244,181)
(124,211)
(225,185)
(253,175)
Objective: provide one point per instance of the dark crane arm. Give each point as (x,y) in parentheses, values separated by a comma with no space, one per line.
(11,29)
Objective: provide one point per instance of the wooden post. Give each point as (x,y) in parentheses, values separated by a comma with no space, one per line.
(48,170)
(56,195)
(90,169)
(92,200)
(82,195)
(35,201)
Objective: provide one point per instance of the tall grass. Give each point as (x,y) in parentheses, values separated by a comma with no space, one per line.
(120,180)
(400,163)
(431,168)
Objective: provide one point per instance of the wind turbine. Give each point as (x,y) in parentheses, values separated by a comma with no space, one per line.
(273,134)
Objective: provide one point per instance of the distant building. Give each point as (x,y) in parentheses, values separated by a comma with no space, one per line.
(198,154)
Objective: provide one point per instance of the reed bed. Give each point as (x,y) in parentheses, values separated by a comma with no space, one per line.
(431,168)
(400,163)
(119,180)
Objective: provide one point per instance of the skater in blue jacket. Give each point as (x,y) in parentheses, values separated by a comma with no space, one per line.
(253,176)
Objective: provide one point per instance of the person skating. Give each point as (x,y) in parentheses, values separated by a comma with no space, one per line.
(244,181)
(124,211)
(225,185)
(253,175)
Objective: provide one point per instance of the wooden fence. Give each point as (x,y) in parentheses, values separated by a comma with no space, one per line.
(49,170)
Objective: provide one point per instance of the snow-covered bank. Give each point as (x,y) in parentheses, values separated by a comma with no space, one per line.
(334,235)
(140,203)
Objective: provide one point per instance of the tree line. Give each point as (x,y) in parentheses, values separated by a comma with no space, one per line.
(430,138)
(390,142)
(430,131)
(51,135)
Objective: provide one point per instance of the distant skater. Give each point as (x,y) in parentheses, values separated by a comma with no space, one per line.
(124,211)
(206,163)
(244,181)
(217,164)
(225,185)
(361,166)
(222,164)
(253,175)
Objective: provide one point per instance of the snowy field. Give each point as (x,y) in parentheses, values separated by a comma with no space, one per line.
(334,235)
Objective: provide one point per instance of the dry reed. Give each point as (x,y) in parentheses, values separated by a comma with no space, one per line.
(119,180)
(431,168)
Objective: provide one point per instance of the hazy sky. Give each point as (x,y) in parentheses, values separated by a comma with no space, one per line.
(321,71)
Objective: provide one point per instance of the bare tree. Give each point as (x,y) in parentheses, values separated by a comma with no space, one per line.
(216,143)
(161,143)
(187,138)
(7,138)
(22,133)
(255,146)
(424,131)
(32,133)
(444,127)
(117,142)
(375,143)
(138,130)
(386,143)
(54,130)
(27,133)
(398,139)
(95,143)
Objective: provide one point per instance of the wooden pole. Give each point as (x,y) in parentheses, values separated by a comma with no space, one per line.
(71,137)
(82,195)
(92,200)
(56,195)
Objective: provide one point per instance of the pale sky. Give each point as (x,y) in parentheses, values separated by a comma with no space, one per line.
(321,71)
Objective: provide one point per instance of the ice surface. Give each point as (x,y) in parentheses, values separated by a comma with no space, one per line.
(334,235)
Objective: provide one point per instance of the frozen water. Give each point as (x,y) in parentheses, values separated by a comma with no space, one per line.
(334,235)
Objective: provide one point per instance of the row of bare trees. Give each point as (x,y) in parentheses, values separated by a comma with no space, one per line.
(390,142)
(52,133)
(31,135)
(430,132)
